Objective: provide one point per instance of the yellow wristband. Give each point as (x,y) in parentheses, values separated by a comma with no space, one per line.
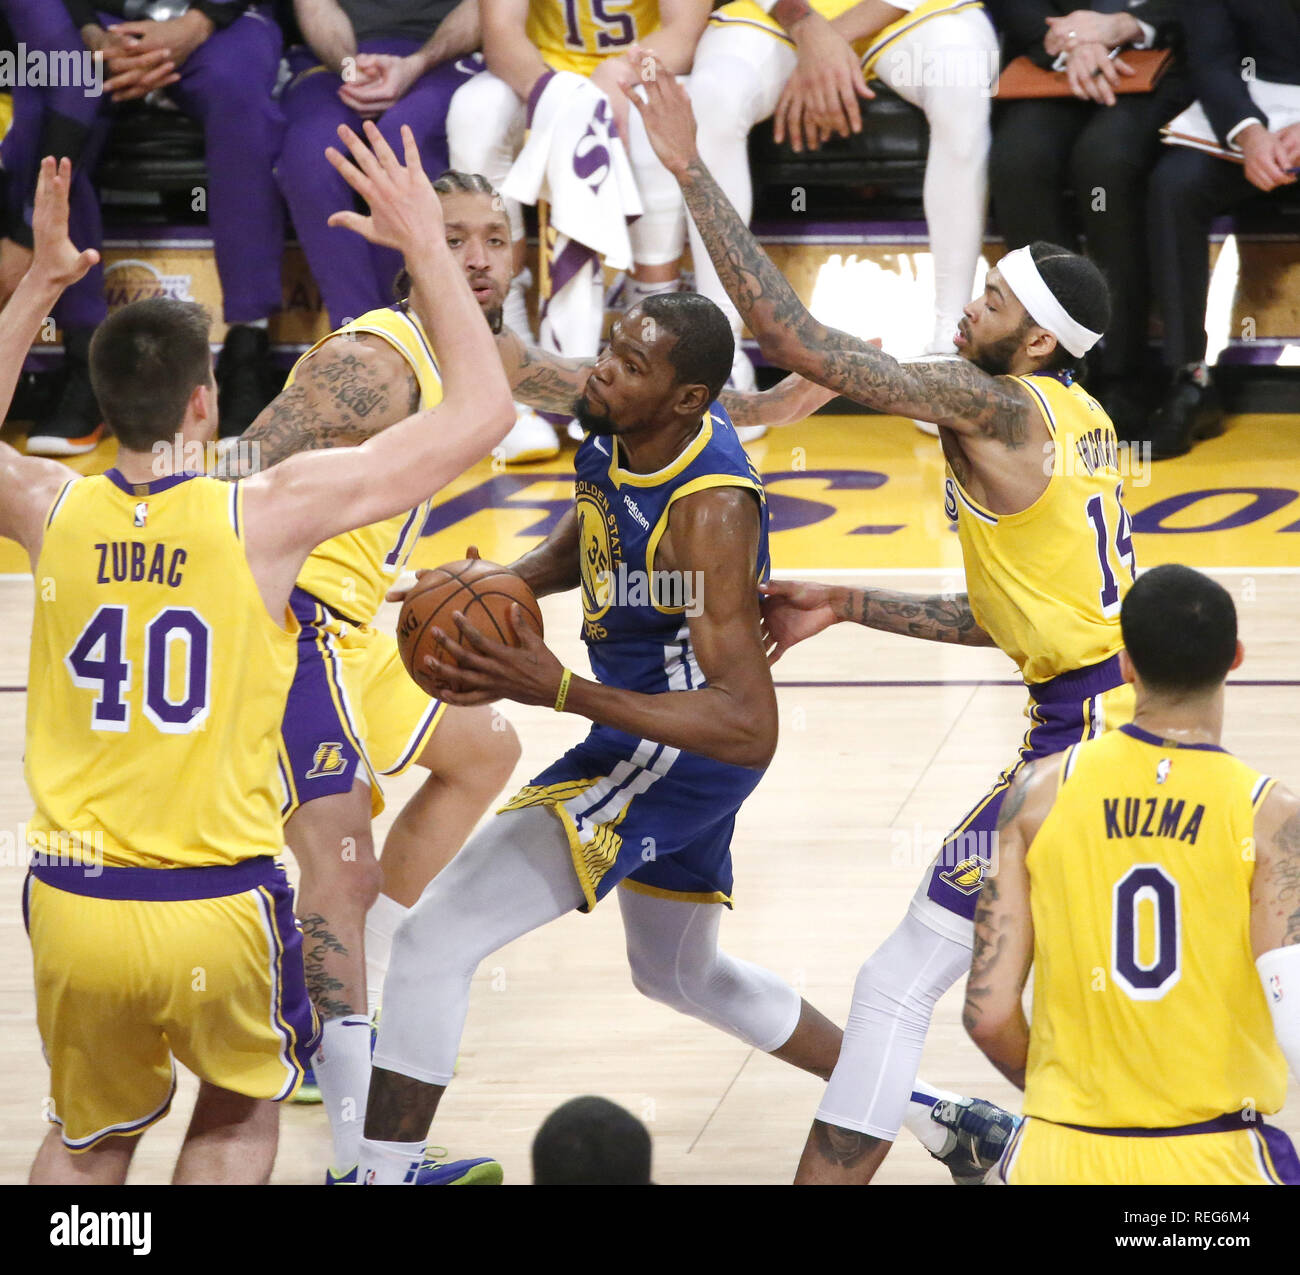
(563,693)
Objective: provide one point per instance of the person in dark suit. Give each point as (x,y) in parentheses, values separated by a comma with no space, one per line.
(1232,47)
(1098,146)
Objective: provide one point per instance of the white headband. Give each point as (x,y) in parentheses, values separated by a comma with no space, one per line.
(1022,277)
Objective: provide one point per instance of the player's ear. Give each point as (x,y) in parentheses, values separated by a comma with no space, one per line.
(693,400)
(1126,669)
(1237,659)
(1041,344)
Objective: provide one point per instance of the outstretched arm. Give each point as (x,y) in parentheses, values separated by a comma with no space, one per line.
(955,394)
(552,384)
(796,610)
(29,484)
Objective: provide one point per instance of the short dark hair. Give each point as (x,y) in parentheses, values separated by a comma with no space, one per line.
(1180,629)
(704,347)
(591,1142)
(145,361)
(1081,289)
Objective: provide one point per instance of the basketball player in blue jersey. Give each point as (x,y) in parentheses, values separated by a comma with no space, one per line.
(354,717)
(163,646)
(1033,483)
(667,541)
(1153,881)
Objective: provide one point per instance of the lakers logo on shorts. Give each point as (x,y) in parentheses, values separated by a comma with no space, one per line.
(328,760)
(966,876)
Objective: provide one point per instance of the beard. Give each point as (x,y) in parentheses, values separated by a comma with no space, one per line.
(495,319)
(592,422)
(996,357)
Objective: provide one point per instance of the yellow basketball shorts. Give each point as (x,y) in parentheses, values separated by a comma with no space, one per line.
(1222,1152)
(138,967)
(353,711)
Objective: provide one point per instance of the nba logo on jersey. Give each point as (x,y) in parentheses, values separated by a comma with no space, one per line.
(328,760)
(142,513)
(1275,986)
(1163,767)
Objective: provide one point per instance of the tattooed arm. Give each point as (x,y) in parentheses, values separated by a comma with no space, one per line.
(796,610)
(955,394)
(349,390)
(552,383)
(1275,914)
(1275,887)
(1004,930)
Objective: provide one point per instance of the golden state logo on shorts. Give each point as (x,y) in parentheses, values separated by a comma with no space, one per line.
(966,876)
(599,549)
(328,760)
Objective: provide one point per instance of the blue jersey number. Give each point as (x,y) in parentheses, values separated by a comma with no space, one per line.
(97,662)
(1149,884)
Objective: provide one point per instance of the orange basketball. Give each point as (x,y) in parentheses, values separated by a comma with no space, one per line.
(482,591)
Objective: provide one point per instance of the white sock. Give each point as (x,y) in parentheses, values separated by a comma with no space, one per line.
(386,1163)
(382,920)
(933,1136)
(515,310)
(255,323)
(342,1067)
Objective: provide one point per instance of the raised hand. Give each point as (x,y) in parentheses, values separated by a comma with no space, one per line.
(54,256)
(666,110)
(405,211)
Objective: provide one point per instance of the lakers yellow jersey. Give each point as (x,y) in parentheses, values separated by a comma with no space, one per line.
(870,48)
(1148,1010)
(157,679)
(578,35)
(352,572)
(1046,584)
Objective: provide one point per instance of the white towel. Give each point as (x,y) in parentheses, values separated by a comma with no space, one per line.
(573,161)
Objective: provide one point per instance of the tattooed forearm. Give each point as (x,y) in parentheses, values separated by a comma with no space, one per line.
(541,379)
(842,1147)
(956,393)
(936,618)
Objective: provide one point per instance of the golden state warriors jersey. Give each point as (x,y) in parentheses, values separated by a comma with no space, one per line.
(1148,1010)
(1046,583)
(578,35)
(870,48)
(352,572)
(157,678)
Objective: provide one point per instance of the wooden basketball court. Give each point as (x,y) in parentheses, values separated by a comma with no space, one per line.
(885,741)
